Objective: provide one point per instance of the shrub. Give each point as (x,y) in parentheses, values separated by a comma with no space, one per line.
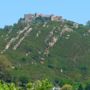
(67,87)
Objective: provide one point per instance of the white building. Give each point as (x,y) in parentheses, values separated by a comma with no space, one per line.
(56,88)
(56,18)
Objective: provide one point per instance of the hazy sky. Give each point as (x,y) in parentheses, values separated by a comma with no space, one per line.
(12,10)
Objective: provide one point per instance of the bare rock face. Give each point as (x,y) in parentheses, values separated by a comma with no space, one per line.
(53,41)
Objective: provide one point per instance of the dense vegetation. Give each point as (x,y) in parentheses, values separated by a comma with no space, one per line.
(37,85)
(42,85)
(57,50)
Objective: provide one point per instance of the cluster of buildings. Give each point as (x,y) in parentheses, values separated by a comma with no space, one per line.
(30,17)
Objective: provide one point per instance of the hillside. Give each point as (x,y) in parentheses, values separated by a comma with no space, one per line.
(41,46)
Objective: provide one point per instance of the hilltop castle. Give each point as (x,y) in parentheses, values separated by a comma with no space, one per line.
(30,17)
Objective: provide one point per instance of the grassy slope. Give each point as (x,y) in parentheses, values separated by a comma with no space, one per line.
(69,55)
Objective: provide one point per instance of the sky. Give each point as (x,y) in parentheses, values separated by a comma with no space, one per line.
(12,10)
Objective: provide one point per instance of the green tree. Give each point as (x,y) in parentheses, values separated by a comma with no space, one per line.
(87,87)
(67,87)
(80,87)
(40,85)
(88,23)
(29,86)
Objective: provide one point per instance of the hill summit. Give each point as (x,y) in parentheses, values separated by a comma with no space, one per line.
(45,46)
